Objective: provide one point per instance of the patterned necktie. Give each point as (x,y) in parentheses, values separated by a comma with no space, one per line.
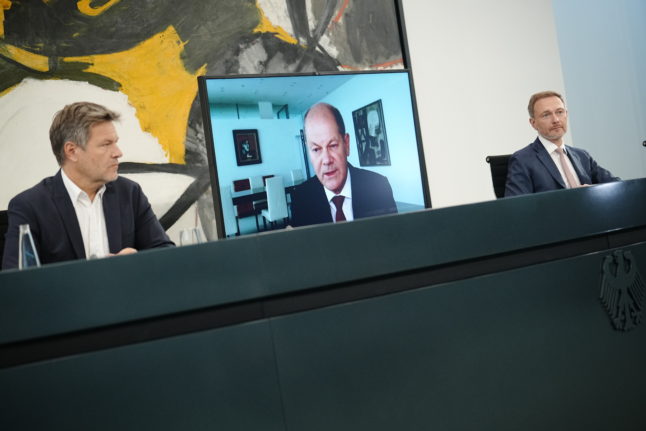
(571,180)
(338,203)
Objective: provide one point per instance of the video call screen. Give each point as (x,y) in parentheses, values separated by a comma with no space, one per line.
(256,142)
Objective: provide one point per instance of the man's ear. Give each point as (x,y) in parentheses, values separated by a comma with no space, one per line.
(531,122)
(70,149)
(346,142)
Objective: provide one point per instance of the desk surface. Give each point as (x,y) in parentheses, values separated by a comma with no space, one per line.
(249,196)
(159,282)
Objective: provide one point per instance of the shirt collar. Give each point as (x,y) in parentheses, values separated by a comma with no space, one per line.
(75,191)
(550,146)
(345,191)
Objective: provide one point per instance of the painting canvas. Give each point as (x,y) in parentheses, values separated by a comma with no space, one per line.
(247,147)
(142,59)
(370,130)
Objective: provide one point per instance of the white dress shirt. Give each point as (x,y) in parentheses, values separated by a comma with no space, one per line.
(551,147)
(90,217)
(347,202)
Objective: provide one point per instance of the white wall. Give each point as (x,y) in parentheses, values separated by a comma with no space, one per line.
(474,65)
(603,52)
(279,148)
(404,172)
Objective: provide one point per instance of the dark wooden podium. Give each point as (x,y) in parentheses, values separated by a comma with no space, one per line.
(483,316)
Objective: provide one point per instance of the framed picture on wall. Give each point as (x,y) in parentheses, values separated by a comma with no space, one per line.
(247,147)
(370,132)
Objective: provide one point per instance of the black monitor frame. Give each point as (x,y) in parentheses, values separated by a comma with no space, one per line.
(210,144)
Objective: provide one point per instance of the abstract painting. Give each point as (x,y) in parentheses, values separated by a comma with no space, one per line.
(370,129)
(145,56)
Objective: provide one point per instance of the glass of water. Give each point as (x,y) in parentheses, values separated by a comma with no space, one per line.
(190,235)
(27,254)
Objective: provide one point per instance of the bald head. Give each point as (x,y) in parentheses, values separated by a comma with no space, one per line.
(328,145)
(320,108)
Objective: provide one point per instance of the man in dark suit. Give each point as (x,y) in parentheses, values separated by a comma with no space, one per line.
(547,164)
(85,210)
(339,191)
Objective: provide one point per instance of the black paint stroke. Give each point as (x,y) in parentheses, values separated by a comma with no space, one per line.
(216,33)
(197,188)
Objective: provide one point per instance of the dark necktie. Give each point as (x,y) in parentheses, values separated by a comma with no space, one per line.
(338,203)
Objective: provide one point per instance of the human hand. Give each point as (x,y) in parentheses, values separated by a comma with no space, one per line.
(127,250)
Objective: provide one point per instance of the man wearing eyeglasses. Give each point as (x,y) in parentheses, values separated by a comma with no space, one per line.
(547,164)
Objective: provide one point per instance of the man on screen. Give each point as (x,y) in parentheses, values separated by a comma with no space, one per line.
(85,210)
(339,191)
(547,164)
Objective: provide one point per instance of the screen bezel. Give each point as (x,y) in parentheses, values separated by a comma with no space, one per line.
(210,143)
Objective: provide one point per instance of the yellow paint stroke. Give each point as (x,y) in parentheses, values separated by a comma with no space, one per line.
(4,5)
(8,90)
(265,26)
(153,77)
(28,59)
(85,8)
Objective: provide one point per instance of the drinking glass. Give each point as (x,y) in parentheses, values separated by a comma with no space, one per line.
(190,235)
(27,255)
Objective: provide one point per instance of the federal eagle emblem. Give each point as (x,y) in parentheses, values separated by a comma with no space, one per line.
(622,290)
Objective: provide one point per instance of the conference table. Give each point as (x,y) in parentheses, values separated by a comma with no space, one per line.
(246,196)
(482,316)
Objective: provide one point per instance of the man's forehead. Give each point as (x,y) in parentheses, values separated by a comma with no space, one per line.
(105,130)
(319,115)
(548,103)
(103,125)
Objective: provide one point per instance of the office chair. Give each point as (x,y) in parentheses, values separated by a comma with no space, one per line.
(276,202)
(498,166)
(246,208)
(4,225)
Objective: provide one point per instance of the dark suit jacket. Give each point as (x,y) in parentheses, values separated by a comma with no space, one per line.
(371,196)
(532,170)
(48,210)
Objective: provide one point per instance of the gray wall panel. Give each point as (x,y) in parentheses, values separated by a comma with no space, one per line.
(528,349)
(221,379)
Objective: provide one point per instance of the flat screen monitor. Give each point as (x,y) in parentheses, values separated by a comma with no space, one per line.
(274,162)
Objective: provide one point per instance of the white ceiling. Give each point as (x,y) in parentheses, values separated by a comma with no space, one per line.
(298,92)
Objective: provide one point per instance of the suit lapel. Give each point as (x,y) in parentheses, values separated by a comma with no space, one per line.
(324,214)
(68,215)
(547,161)
(111,212)
(357,195)
(584,178)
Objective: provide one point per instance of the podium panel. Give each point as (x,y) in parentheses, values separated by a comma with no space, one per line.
(478,316)
(529,349)
(219,379)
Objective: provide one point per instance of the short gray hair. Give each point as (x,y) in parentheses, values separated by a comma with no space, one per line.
(73,124)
